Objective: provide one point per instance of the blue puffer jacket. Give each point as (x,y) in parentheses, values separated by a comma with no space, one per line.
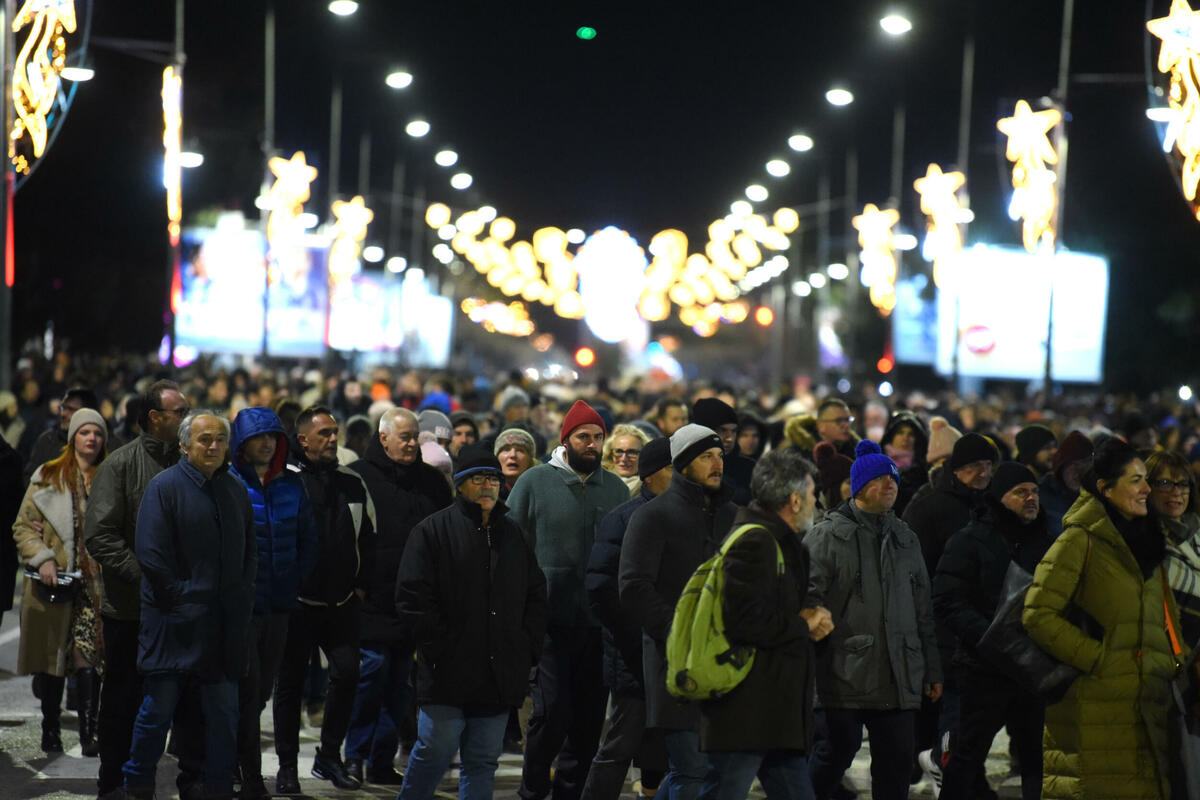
(284,526)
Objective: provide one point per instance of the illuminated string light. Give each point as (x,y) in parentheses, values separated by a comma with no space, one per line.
(1179,32)
(36,70)
(1035,196)
(172,92)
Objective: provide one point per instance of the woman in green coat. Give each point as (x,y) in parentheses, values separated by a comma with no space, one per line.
(1107,738)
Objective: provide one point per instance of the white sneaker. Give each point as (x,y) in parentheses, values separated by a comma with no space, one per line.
(932,771)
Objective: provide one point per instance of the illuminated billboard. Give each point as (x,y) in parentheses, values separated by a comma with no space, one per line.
(373,312)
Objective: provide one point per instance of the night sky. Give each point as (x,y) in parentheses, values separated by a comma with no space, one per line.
(660,121)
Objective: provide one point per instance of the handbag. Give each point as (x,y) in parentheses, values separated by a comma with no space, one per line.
(1183,723)
(1009,647)
(65,590)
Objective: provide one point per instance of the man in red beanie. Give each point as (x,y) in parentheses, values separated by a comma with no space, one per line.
(1059,487)
(558,506)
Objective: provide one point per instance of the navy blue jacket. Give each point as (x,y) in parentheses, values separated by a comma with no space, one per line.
(622,633)
(284,526)
(195,544)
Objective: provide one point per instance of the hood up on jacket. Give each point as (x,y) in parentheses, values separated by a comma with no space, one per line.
(920,446)
(251,422)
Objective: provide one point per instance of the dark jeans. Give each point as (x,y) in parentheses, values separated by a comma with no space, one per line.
(379,703)
(627,738)
(891,750)
(986,703)
(568,712)
(335,631)
(689,766)
(783,773)
(163,692)
(267,635)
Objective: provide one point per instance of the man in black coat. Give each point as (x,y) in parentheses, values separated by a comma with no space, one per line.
(966,592)
(627,736)
(405,491)
(723,420)
(666,540)
(764,726)
(471,595)
(330,601)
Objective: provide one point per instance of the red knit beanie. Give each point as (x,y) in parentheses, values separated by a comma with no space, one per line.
(580,414)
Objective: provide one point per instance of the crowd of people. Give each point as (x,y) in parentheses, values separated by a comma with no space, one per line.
(410,559)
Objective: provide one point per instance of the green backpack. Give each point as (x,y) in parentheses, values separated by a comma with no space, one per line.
(701,665)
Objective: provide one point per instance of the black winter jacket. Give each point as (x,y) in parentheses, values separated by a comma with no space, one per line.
(622,635)
(666,540)
(403,496)
(771,709)
(345,515)
(474,600)
(970,575)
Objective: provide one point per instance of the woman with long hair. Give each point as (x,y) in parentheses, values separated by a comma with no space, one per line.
(1108,735)
(60,625)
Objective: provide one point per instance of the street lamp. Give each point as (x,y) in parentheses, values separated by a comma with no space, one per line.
(399,79)
(800,142)
(838,96)
(756,192)
(778,168)
(461,180)
(417,128)
(343,8)
(446,158)
(895,24)
(77,74)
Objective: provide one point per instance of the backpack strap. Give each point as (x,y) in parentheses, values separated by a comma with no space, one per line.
(749,526)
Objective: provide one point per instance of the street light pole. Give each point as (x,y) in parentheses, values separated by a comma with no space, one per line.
(268,147)
(1060,178)
(175,260)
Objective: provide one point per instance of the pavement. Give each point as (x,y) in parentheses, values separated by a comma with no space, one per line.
(27,772)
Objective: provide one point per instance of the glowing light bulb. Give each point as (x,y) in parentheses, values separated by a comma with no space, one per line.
(838,96)
(800,142)
(417,128)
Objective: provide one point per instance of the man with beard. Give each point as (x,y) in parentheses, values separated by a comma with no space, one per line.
(723,420)
(559,506)
(966,591)
(330,601)
(666,540)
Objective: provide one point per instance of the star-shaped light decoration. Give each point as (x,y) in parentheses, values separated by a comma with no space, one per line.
(1026,130)
(874,228)
(1179,56)
(939,202)
(292,177)
(1034,196)
(349,232)
(1180,35)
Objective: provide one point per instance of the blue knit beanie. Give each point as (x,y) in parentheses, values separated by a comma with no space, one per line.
(869,464)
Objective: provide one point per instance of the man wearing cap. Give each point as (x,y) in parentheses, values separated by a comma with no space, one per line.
(471,596)
(882,657)
(513,404)
(465,431)
(966,591)
(666,540)
(559,506)
(723,420)
(627,735)
(405,490)
(1036,446)
(515,448)
(955,494)
(1059,487)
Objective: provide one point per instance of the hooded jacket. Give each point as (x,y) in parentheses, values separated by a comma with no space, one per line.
(883,648)
(666,540)
(403,496)
(285,531)
(111,519)
(345,518)
(474,600)
(196,545)
(915,475)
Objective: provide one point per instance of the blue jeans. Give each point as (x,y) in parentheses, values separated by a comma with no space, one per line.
(162,692)
(783,773)
(688,766)
(442,730)
(379,703)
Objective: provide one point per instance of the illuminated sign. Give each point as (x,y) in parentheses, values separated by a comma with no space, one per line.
(1035,196)
(36,70)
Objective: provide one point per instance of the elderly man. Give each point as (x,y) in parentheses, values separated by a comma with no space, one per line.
(667,539)
(559,506)
(330,601)
(109,533)
(882,656)
(471,595)
(405,491)
(196,547)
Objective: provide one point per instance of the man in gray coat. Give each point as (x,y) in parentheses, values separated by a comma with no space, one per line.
(867,569)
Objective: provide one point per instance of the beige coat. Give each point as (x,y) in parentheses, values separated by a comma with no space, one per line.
(45,627)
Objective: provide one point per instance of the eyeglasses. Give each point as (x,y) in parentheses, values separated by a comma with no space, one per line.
(1167,485)
(839,420)
(180,412)
(484,480)
(626,453)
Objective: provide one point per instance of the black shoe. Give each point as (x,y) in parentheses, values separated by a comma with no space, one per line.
(254,789)
(51,739)
(384,776)
(331,768)
(354,768)
(287,780)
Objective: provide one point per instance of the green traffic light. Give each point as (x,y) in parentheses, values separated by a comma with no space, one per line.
(586,33)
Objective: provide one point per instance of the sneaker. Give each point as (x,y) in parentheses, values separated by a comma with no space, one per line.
(354,768)
(254,789)
(384,776)
(932,770)
(287,780)
(330,768)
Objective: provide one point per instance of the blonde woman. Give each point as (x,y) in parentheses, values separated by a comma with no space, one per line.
(60,627)
(620,455)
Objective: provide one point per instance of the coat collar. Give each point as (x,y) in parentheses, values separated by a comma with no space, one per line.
(696,495)
(195,475)
(473,512)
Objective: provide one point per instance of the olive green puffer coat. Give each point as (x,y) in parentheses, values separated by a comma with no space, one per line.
(1108,737)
